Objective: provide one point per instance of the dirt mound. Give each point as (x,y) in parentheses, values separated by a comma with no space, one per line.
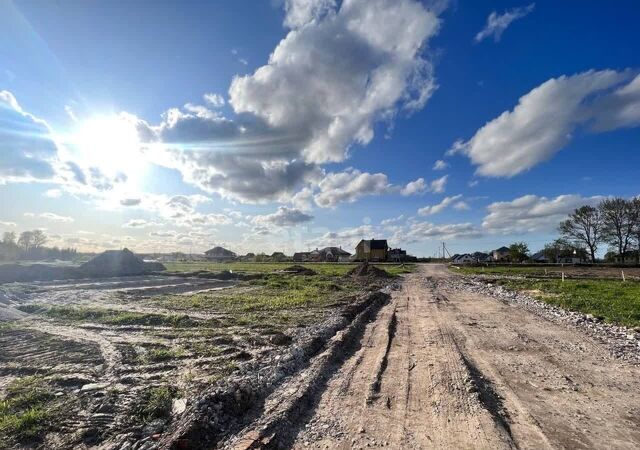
(36,272)
(366,270)
(114,263)
(300,270)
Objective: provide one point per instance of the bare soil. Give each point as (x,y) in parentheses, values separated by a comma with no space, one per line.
(445,368)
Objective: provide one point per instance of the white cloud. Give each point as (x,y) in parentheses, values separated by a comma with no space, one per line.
(435,209)
(53,193)
(29,152)
(283,217)
(139,223)
(461,206)
(346,238)
(332,79)
(438,186)
(349,186)
(422,231)
(49,216)
(531,213)
(546,118)
(497,23)
(414,187)
(215,100)
(302,12)
(8,224)
(130,201)
(303,200)
(440,165)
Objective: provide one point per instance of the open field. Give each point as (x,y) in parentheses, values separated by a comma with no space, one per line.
(631,273)
(335,269)
(592,290)
(98,361)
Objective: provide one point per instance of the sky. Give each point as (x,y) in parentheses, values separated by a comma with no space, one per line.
(287,125)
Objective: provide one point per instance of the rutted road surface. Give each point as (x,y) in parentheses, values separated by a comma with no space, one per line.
(442,368)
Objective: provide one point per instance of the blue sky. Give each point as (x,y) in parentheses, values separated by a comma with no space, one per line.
(293,124)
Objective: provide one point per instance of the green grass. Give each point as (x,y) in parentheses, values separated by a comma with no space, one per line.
(155,403)
(26,411)
(163,354)
(328,269)
(113,317)
(499,270)
(615,301)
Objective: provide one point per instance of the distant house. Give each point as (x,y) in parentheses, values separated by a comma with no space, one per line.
(481,257)
(629,257)
(500,254)
(220,254)
(539,257)
(334,254)
(397,254)
(372,250)
(464,259)
(301,256)
(278,257)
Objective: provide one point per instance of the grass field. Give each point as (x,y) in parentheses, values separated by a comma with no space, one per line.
(556,271)
(329,269)
(612,300)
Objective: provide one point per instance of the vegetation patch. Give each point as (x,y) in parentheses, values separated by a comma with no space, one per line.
(615,301)
(115,317)
(155,403)
(26,411)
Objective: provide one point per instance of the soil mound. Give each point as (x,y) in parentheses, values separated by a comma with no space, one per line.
(300,270)
(366,270)
(36,272)
(114,263)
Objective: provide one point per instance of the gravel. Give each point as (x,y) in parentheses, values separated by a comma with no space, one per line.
(622,342)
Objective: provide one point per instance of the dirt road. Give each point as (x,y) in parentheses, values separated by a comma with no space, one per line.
(450,369)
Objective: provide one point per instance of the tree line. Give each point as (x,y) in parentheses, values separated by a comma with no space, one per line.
(31,245)
(614,221)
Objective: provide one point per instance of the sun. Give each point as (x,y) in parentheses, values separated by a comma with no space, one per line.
(111,144)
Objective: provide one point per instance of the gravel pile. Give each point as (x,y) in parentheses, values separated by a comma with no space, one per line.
(623,342)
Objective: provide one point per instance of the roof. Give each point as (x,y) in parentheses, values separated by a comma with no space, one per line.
(376,244)
(538,255)
(335,251)
(219,251)
(502,249)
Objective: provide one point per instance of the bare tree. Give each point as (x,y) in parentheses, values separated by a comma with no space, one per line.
(9,238)
(618,223)
(584,226)
(38,238)
(635,207)
(26,240)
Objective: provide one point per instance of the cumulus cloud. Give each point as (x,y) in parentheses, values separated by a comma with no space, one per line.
(531,213)
(130,201)
(414,187)
(435,209)
(29,152)
(346,238)
(440,165)
(334,77)
(422,231)
(215,100)
(50,217)
(546,118)
(349,186)
(139,223)
(497,23)
(53,193)
(439,185)
(7,224)
(283,217)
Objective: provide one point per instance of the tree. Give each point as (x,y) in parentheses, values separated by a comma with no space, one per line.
(562,248)
(635,207)
(38,238)
(518,252)
(26,240)
(9,238)
(584,227)
(617,223)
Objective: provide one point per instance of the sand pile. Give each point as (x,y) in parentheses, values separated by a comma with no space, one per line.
(114,263)
(366,270)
